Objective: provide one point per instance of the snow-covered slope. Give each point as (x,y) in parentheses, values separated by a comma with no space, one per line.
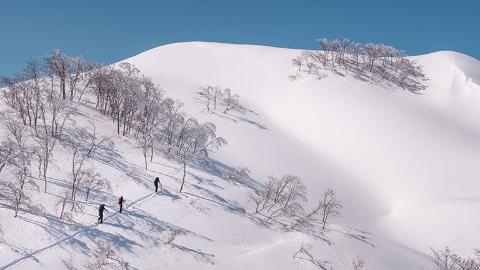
(405,162)
(404,165)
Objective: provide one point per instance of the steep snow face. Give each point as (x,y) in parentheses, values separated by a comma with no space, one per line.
(405,165)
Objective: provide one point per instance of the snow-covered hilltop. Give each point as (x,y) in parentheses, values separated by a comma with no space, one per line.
(404,165)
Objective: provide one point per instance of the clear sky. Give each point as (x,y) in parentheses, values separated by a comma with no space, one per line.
(112,30)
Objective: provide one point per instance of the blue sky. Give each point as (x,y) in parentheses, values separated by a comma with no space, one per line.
(112,30)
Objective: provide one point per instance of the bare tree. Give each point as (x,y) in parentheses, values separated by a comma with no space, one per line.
(235,175)
(305,253)
(306,219)
(330,206)
(193,143)
(92,180)
(8,151)
(146,144)
(58,66)
(217,95)
(282,197)
(15,195)
(69,265)
(207,94)
(173,235)
(358,263)
(230,101)
(61,202)
(106,257)
(83,145)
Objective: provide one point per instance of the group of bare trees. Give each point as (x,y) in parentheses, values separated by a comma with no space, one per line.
(216,95)
(16,156)
(285,197)
(37,117)
(42,97)
(446,259)
(139,109)
(368,62)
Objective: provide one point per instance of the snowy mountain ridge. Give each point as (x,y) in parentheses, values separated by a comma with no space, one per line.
(404,166)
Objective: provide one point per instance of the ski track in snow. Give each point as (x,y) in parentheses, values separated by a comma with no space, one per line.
(72,236)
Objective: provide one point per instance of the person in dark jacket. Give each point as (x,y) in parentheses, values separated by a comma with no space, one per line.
(120,202)
(157,180)
(101,209)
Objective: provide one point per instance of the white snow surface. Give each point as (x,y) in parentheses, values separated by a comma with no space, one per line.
(405,166)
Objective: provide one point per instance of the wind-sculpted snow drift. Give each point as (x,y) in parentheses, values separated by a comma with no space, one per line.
(404,165)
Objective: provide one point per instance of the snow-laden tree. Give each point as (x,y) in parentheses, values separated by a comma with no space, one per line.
(235,175)
(193,143)
(58,68)
(282,197)
(230,101)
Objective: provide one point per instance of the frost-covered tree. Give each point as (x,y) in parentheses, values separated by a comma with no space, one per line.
(106,257)
(92,180)
(235,175)
(358,263)
(194,141)
(282,197)
(447,259)
(230,101)
(58,67)
(207,94)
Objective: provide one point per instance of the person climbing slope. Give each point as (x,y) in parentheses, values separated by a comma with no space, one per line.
(121,200)
(101,209)
(156,182)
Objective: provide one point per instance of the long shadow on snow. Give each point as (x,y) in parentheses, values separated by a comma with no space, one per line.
(218,168)
(196,254)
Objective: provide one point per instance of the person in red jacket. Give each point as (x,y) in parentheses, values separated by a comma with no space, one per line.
(120,202)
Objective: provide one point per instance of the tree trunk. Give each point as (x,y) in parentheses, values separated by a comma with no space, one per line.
(184,173)
(63,207)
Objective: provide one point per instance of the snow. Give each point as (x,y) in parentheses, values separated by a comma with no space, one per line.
(404,165)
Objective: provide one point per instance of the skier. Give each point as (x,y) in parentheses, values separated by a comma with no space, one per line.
(157,180)
(120,202)
(101,209)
